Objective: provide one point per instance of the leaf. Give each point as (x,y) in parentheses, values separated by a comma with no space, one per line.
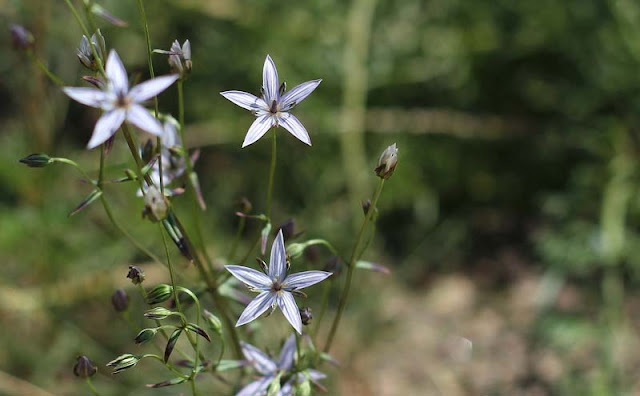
(171,343)
(174,381)
(198,330)
(93,195)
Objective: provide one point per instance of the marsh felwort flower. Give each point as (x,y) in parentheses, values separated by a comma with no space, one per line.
(85,53)
(270,369)
(272,109)
(120,103)
(275,287)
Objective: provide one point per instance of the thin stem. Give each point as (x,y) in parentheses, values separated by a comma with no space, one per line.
(355,255)
(272,171)
(55,79)
(91,387)
(236,239)
(326,287)
(75,165)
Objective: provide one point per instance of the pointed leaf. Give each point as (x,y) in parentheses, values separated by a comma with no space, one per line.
(174,381)
(93,195)
(171,343)
(199,331)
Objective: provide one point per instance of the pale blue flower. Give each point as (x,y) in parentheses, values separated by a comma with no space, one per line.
(275,287)
(270,369)
(272,109)
(119,103)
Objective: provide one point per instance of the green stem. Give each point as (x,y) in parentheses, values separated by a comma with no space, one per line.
(351,266)
(272,171)
(326,287)
(75,165)
(236,239)
(91,387)
(55,79)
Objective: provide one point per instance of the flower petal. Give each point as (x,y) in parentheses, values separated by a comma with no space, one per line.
(289,308)
(257,387)
(295,127)
(297,94)
(257,130)
(116,73)
(106,127)
(258,359)
(288,352)
(250,277)
(87,96)
(140,117)
(304,279)
(245,100)
(278,260)
(270,82)
(257,307)
(151,88)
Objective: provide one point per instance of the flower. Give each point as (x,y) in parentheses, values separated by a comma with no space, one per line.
(387,162)
(85,53)
(271,369)
(120,103)
(272,109)
(180,58)
(275,287)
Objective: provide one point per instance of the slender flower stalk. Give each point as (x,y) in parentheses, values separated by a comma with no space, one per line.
(275,287)
(355,255)
(119,102)
(272,108)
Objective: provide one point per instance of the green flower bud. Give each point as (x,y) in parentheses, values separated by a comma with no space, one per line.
(295,250)
(123,362)
(158,294)
(145,335)
(36,160)
(84,368)
(213,321)
(158,313)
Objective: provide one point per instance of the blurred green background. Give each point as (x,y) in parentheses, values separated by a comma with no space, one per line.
(512,219)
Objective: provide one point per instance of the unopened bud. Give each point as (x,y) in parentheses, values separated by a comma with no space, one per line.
(120,300)
(245,205)
(146,151)
(123,362)
(145,335)
(366,205)
(295,250)
(288,229)
(158,313)
(36,160)
(158,294)
(84,368)
(136,274)
(303,388)
(213,321)
(306,315)
(156,206)
(21,38)
(387,162)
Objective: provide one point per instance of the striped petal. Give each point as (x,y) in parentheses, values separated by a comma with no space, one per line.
(257,307)
(270,81)
(289,122)
(245,100)
(106,127)
(250,277)
(304,279)
(116,73)
(297,94)
(289,308)
(278,260)
(142,118)
(151,88)
(257,130)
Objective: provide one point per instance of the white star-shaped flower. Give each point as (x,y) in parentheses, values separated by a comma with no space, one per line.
(275,287)
(120,103)
(272,109)
(269,369)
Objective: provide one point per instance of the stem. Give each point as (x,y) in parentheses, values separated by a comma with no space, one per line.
(91,387)
(352,264)
(55,79)
(236,240)
(75,165)
(272,171)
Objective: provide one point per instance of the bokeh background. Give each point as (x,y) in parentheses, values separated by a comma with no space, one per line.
(512,219)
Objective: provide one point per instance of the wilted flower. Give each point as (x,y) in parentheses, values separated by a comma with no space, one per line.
(120,103)
(84,368)
(306,315)
(275,287)
(155,205)
(120,300)
(136,274)
(272,109)
(272,370)
(85,53)
(180,58)
(387,162)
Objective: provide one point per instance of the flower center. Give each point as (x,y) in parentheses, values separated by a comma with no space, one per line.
(276,286)
(274,107)
(122,100)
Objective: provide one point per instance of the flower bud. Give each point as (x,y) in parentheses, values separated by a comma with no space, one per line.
(136,274)
(306,315)
(158,294)
(36,160)
(387,162)
(158,313)
(288,229)
(120,300)
(123,362)
(245,205)
(84,368)
(145,335)
(156,206)
(295,250)
(21,38)
(366,205)
(213,321)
